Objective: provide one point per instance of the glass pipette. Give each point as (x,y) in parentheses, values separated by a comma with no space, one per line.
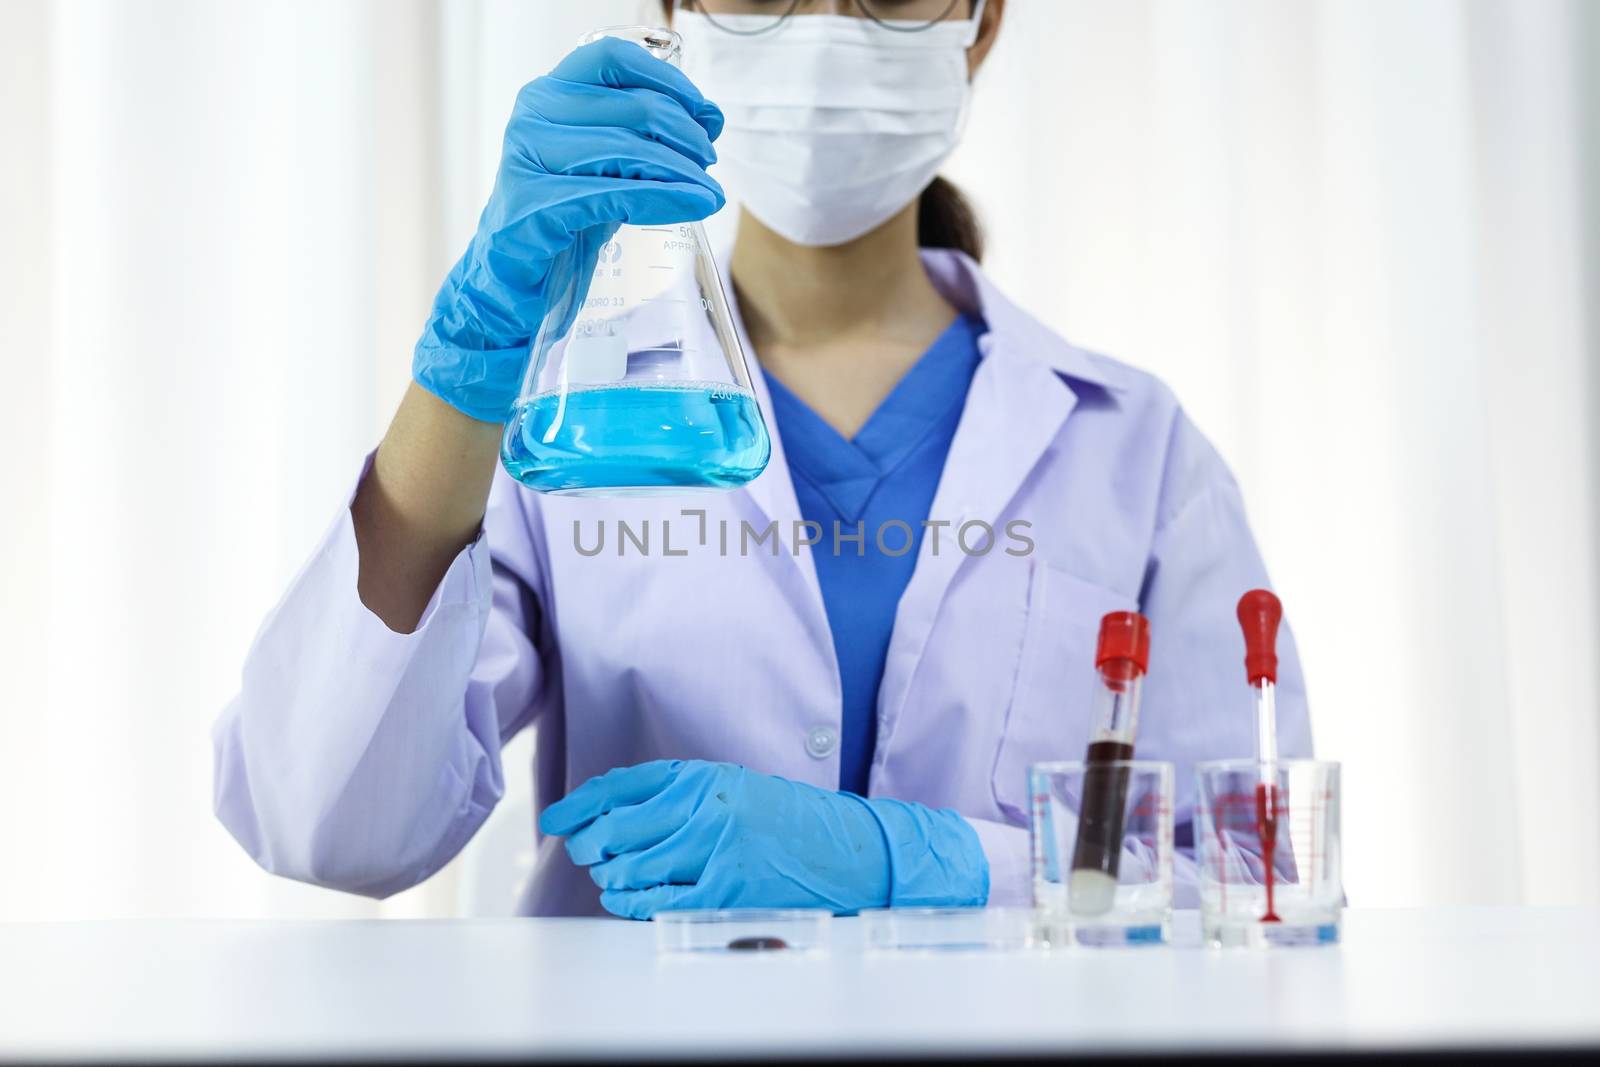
(1259,614)
(1122,657)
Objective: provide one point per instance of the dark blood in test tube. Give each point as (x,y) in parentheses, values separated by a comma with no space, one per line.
(1105,799)
(1121,658)
(757,944)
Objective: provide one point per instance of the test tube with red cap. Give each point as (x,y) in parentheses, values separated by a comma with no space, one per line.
(1122,657)
(1260,612)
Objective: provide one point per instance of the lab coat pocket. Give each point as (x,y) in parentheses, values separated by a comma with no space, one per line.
(1048,718)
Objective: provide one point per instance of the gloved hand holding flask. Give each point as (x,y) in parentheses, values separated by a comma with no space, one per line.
(612,135)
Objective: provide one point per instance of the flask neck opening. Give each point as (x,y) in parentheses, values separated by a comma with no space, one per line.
(657,40)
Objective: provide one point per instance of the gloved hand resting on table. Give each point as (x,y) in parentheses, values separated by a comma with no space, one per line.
(691,834)
(612,135)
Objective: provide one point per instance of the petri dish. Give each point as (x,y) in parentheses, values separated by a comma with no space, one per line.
(949,929)
(744,931)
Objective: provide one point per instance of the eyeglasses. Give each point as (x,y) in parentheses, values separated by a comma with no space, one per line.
(901,16)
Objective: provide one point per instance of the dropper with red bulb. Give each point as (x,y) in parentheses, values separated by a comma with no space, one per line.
(1260,612)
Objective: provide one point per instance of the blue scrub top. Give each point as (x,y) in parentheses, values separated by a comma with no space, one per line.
(888,472)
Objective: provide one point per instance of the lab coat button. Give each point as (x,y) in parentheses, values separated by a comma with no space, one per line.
(821,741)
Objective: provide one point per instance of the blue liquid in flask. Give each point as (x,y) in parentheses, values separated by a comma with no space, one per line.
(669,436)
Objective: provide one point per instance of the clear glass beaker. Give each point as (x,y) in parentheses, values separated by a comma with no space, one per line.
(1267,845)
(637,382)
(1135,862)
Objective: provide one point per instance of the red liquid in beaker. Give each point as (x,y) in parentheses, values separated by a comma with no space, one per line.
(1268,805)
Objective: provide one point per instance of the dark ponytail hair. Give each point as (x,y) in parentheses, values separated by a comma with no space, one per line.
(945,219)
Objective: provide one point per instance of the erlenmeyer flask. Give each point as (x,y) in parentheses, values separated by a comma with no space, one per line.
(637,381)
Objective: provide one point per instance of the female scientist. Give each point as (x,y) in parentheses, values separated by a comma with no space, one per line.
(844,724)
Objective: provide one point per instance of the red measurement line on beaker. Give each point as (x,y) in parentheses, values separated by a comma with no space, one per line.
(1222,864)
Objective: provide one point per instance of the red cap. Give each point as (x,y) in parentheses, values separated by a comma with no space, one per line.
(1259,615)
(1124,638)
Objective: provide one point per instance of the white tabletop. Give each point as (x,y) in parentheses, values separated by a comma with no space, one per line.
(580,988)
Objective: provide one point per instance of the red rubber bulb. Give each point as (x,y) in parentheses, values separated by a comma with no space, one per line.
(1259,615)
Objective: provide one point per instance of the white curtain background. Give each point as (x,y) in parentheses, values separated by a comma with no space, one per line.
(1360,238)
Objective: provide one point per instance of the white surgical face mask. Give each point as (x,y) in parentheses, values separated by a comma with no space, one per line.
(834,123)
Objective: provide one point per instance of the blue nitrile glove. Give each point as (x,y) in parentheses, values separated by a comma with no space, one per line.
(691,834)
(612,135)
